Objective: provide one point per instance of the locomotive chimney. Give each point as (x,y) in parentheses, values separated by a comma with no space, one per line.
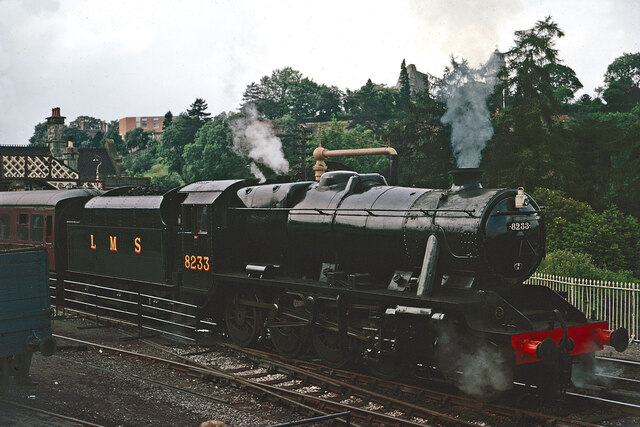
(466,179)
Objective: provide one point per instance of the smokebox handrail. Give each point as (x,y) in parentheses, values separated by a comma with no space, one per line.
(321,154)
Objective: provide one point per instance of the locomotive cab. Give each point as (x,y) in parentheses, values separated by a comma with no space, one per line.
(204,233)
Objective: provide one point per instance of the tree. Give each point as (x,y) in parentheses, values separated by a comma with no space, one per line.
(372,105)
(139,163)
(197,111)
(113,133)
(138,138)
(182,131)
(168,117)
(86,123)
(529,148)
(622,80)
(40,135)
(328,103)
(405,86)
(564,82)
(288,92)
(212,156)
(421,141)
(272,95)
(607,145)
(560,211)
(529,64)
(80,138)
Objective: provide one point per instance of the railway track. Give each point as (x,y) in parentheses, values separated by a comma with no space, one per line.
(328,387)
(611,379)
(305,398)
(12,413)
(323,389)
(389,392)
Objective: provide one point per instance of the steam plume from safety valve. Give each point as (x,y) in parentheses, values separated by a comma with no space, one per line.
(257,141)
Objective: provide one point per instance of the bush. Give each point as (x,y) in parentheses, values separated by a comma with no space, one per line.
(611,238)
(560,211)
(580,265)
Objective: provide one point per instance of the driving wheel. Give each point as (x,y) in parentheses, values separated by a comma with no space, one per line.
(327,347)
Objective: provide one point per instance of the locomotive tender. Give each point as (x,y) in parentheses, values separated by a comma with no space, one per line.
(396,277)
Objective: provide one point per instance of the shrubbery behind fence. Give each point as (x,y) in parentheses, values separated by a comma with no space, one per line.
(616,302)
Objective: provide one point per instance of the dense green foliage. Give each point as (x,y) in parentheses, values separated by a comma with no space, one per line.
(559,211)
(138,138)
(610,237)
(211,155)
(581,265)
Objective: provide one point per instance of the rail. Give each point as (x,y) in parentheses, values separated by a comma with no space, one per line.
(617,302)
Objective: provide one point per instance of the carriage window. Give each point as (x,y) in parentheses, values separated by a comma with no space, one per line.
(5,223)
(202,219)
(37,228)
(49,228)
(23,227)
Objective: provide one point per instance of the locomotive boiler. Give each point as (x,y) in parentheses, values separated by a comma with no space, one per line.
(474,237)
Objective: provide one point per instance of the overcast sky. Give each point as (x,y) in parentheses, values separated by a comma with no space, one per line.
(112,59)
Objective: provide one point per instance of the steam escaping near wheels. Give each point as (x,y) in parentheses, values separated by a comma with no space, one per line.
(486,373)
(480,369)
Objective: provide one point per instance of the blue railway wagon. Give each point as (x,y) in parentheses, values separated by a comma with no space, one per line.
(25,311)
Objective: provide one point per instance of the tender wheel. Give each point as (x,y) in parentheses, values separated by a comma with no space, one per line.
(327,347)
(4,374)
(243,322)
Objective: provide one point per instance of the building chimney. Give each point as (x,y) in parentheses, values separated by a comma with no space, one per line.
(55,133)
(71,155)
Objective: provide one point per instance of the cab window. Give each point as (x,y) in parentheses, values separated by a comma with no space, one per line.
(187,223)
(203,219)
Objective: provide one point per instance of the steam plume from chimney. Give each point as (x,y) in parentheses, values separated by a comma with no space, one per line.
(466,91)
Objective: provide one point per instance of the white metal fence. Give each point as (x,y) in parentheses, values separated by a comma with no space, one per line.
(616,302)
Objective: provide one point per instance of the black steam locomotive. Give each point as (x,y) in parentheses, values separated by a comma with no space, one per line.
(396,277)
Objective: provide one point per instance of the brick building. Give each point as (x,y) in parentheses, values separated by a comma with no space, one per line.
(147,123)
